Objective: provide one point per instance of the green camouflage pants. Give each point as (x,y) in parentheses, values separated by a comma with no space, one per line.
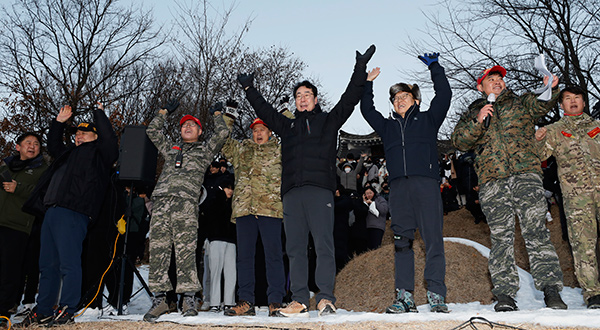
(583,220)
(501,200)
(174,223)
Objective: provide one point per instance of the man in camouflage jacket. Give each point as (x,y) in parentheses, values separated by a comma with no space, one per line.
(257,211)
(175,212)
(509,172)
(574,141)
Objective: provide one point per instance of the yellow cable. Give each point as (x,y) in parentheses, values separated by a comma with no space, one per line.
(106,271)
(4,317)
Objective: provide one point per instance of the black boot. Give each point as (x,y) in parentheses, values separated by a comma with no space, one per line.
(505,304)
(552,298)
(594,302)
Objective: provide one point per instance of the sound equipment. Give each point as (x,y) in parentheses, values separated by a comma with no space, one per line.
(137,156)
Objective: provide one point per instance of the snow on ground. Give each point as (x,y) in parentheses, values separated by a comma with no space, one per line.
(529,300)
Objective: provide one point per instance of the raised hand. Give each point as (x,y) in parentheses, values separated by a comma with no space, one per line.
(64,114)
(371,75)
(171,106)
(540,134)
(217,107)
(246,80)
(429,58)
(364,58)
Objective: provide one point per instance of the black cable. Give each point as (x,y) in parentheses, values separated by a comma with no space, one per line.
(481,320)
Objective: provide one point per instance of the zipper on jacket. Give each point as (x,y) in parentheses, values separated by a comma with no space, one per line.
(307,126)
(402,128)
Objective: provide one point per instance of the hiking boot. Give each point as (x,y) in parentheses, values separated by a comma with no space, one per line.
(552,298)
(594,302)
(403,303)
(188,306)
(62,317)
(436,302)
(34,318)
(242,308)
(505,304)
(294,309)
(205,306)
(326,307)
(274,309)
(159,307)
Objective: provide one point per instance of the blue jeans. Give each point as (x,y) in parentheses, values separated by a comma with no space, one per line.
(249,228)
(63,232)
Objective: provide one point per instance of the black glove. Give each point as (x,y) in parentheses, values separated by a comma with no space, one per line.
(428,59)
(171,106)
(216,107)
(231,103)
(285,99)
(364,58)
(246,80)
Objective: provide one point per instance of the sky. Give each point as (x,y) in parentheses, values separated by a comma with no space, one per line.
(530,302)
(326,34)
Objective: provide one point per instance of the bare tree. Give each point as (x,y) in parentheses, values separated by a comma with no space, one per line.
(76,52)
(475,35)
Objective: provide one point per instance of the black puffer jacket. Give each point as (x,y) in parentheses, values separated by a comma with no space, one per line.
(308,142)
(88,166)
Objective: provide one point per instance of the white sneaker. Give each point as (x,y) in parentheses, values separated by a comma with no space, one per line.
(26,309)
(548,216)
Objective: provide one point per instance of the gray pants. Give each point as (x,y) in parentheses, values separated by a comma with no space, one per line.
(309,209)
(501,200)
(221,256)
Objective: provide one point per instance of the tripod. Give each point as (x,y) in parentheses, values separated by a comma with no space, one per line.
(125,258)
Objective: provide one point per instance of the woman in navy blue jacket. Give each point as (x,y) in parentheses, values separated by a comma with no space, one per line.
(410,143)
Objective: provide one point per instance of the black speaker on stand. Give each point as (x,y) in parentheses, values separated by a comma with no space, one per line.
(136,166)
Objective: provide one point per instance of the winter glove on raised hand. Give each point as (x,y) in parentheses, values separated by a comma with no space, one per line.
(231,109)
(285,99)
(216,107)
(363,59)
(171,106)
(246,80)
(428,59)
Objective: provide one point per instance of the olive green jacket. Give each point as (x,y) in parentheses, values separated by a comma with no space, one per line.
(257,177)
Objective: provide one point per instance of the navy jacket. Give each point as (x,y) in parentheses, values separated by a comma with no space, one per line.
(410,143)
(84,184)
(309,141)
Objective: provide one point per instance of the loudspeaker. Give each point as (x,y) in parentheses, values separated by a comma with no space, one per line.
(137,156)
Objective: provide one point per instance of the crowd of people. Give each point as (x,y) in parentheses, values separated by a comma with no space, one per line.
(278,215)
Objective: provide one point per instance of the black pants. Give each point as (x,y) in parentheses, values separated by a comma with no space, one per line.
(12,252)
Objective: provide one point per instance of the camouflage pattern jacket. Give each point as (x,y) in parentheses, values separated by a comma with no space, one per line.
(508,146)
(186,181)
(575,142)
(257,177)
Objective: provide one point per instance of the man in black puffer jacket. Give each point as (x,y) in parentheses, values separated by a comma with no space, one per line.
(70,194)
(308,150)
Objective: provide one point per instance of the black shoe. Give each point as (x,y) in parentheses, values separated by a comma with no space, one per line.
(505,304)
(552,298)
(242,308)
(34,318)
(62,317)
(594,302)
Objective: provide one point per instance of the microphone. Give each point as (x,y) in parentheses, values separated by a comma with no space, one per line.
(490,100)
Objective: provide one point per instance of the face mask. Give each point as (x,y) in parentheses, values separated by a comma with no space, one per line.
(347,169)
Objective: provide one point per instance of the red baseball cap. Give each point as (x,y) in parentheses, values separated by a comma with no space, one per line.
(486,72)
(190,117)
(258,121)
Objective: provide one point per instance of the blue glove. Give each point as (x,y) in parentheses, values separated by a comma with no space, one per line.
(428,59)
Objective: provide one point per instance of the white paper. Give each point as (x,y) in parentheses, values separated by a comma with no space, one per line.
(546,90)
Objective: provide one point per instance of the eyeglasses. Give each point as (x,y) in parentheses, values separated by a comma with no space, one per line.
(401,97)
(186,125)
(303,96)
